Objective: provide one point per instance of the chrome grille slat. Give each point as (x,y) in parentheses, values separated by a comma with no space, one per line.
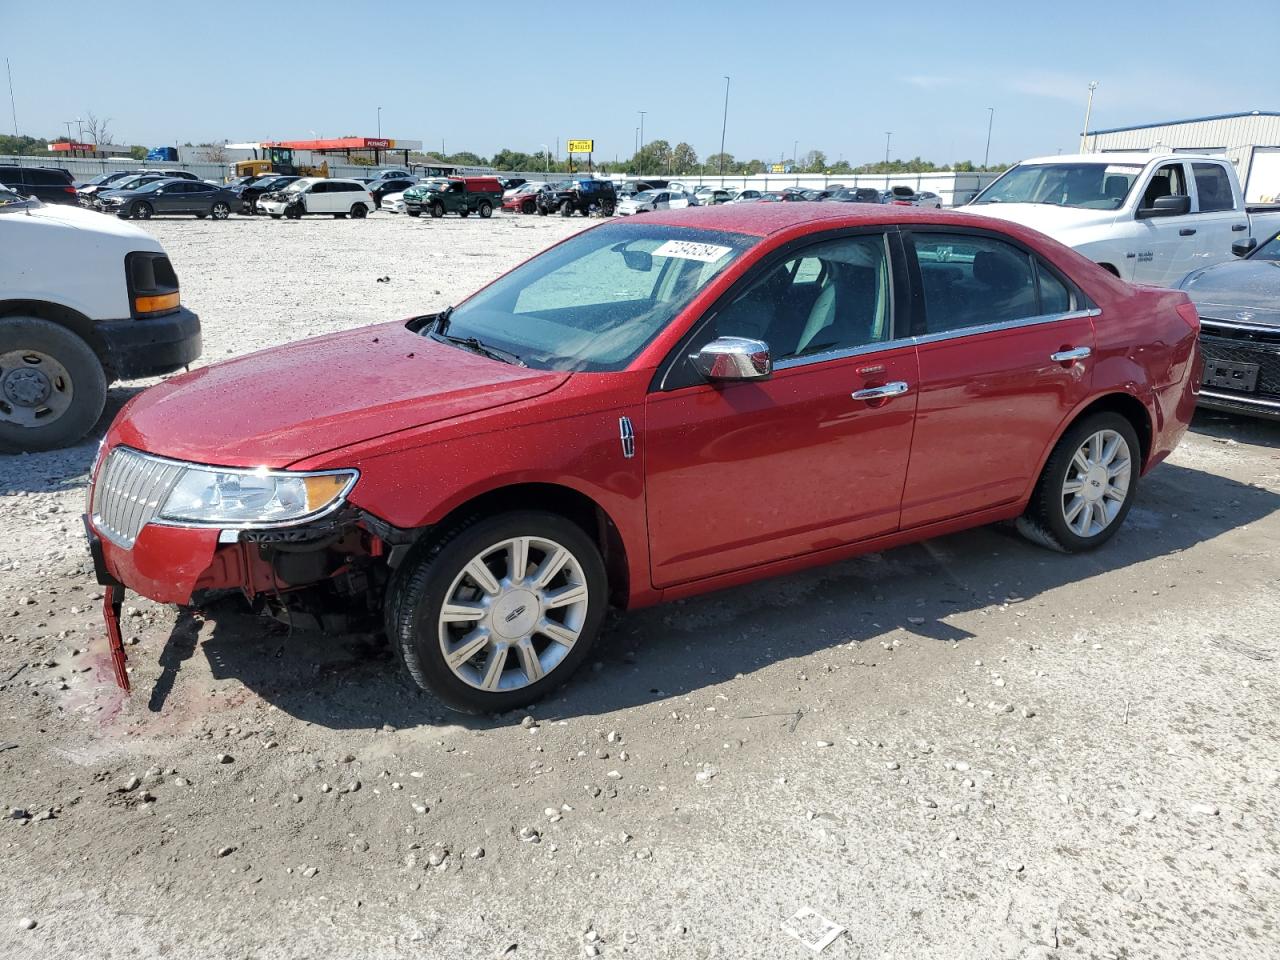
(129,492)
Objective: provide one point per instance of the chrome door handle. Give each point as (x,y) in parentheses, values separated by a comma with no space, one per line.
(1063,356)
(895,389)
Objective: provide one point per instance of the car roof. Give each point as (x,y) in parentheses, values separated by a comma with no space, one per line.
(1139,157)
(764,219)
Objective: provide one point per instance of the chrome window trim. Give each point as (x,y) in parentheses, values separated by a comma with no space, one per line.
(185,465)
(937,337)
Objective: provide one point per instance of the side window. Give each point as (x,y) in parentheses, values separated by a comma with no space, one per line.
(1213,187)
(322,187)
(1054,295)
(831,296)
(46,178)
(971,281)
(1167,181)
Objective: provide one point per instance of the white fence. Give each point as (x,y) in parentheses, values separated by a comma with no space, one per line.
(954,188)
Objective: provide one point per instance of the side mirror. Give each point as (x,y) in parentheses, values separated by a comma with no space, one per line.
(1242,248)
(1171,206)
(734,358)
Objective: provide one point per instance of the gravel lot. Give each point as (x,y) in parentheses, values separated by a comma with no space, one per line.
(968,748)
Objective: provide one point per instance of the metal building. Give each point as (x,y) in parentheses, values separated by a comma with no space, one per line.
(1251,140)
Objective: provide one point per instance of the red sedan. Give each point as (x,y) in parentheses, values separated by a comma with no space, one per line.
(648,410)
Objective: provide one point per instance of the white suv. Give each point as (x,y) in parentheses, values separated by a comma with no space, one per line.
(319,195)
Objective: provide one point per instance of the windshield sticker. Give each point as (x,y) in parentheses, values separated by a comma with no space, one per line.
(688,250)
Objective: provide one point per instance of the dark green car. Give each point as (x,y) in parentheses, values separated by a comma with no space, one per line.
(461,195)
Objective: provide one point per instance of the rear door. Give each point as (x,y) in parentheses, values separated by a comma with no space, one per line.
(1219,214)
(199,197)
(1005,350)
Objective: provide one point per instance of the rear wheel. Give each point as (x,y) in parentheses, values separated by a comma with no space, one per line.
(1087,486)
(359,211)
(220,211)
(500,611)
(437,210)
(52,388)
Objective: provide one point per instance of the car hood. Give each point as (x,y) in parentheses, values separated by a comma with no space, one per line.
(1045,217)
(71,217)
(288,403)
(1247,291)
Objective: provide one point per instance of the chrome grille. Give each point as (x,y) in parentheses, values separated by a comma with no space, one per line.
(130,489)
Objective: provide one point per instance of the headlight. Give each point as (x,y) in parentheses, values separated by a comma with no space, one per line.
(216,495)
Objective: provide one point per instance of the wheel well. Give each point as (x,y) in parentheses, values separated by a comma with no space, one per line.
(1110,268)
(73,320)
(1131,409)
(568,503)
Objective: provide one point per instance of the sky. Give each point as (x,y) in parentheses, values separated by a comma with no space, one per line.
(483,76)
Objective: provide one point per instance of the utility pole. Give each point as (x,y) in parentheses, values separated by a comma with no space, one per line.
(795,147)
(79,129)
(887,135)
(12,106)
(67,124)
(379,123)
(723,124)
(1088,112)
(991,116)
(641,150)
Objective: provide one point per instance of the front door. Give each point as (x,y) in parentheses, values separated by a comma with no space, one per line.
(1005,351)
(744,473)
(1167,246)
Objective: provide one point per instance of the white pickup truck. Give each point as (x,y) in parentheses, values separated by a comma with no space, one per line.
(1147,217)
(84,300)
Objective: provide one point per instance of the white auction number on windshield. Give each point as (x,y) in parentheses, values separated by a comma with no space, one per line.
(689,250)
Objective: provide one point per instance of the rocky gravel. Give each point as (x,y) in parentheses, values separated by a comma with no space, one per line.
(968,748)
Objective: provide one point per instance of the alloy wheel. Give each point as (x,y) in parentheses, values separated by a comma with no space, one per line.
(1097,483)
(513,613)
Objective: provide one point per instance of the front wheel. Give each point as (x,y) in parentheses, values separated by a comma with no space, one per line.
(542,211)
(566,209)
(486,210)
(293,211)
(527,207)
(359,211)
(500,611)
(141,210)
(1087,486)
(52,387)
(437,210)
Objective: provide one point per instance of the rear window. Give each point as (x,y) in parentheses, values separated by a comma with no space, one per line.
(1214,187)
(48,178)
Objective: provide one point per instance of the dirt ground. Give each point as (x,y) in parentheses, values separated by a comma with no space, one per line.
(968,748)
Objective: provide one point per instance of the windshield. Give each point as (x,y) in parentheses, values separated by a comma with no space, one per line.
(297,186)
(1269,250)
(8,196)
(1092,186)
(645,195)
(593,302)
(129,183)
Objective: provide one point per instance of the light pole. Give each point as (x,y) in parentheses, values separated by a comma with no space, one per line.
(723,124)
(991,116)
(546,154)
(1088,112)
(379,123)
(887,135)
(641,150)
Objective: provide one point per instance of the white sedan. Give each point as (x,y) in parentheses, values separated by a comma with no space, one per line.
(647,201)
(393,202)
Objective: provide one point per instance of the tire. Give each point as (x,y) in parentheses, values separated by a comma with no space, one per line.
(566,209)
(542,211)
(1086,515)
(528,207)
(414,213)
(220,211)
(607,209)
(486,210)
(437,572)
(293,211)
(359,211)
(437,210)
(52,386)
(141,210)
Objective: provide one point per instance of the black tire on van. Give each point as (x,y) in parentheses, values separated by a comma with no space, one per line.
(56,394)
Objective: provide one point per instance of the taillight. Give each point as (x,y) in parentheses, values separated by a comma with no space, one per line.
(68,189)
(1187,311)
